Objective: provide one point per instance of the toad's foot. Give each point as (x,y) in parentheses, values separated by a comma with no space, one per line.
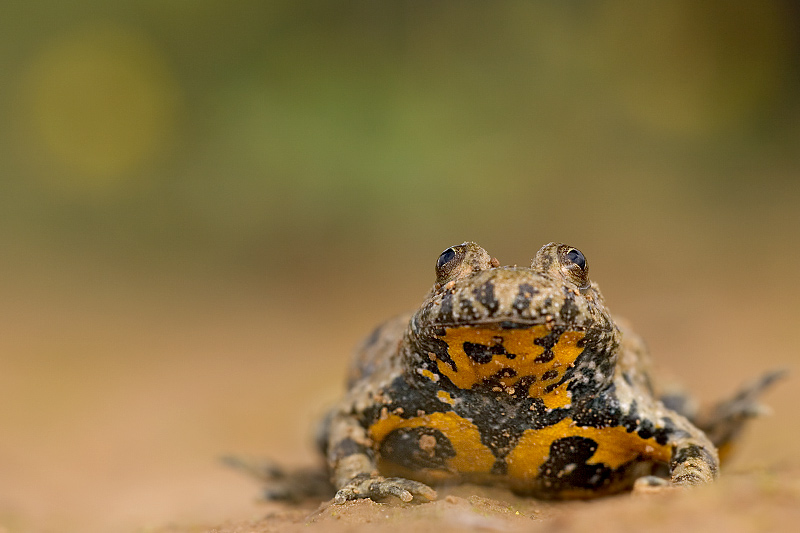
(377,487)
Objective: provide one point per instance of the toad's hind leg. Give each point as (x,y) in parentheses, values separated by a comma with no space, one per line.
(724,421)
(351,461)
(695,439)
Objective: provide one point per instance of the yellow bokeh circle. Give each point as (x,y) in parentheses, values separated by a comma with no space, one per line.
(100,102)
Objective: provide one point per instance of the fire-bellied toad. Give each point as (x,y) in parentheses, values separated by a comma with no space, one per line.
(519,377)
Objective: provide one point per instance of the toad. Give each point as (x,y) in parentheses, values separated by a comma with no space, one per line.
(517,376)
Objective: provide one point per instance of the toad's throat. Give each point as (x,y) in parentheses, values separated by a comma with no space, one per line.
(535,358)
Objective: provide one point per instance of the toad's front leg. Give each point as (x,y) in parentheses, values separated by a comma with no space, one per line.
(693,462)
(351,461)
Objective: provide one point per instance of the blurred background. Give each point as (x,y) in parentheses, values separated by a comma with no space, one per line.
(204,205)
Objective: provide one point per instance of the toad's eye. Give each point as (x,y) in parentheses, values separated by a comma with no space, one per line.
(577,258)
(459,262)
(446,257)
(573,264)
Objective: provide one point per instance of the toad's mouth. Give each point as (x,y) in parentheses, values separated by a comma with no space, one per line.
(534,358)
(512,322)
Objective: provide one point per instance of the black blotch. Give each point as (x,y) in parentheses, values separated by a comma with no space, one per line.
(525,382)
(599,410)
(402,447)
(569,311)
(495,379)
(523,298)
(550,374)
(446,308)
(485,295)
(597,347)
(552,387)
(438,348)
(646,429)
(411,397)
(467,310)
(547,342)
(480,353)
(493,382)
(603,410)
(577,451)
(631,421)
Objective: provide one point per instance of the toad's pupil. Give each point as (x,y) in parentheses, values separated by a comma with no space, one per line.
(445,258)
(577,257)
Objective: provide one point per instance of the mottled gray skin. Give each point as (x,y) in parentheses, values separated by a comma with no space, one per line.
(405,367)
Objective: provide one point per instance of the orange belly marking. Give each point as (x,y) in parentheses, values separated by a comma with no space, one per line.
(471,457)
(615,447)
(519,343)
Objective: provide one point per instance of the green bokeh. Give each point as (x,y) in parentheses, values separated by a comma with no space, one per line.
(236,132)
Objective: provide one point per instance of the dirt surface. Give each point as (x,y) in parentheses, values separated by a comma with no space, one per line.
(754,501)
(119,394)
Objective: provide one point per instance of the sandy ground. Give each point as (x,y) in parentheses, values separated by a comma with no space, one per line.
(118,395)
(751,501)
